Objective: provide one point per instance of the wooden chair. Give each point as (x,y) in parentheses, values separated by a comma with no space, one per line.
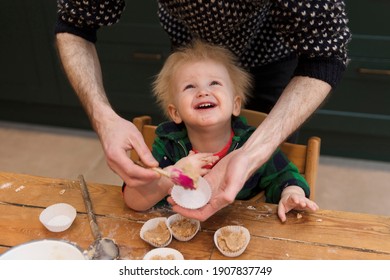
(305,157)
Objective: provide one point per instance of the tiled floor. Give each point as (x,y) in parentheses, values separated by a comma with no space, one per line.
(343,184)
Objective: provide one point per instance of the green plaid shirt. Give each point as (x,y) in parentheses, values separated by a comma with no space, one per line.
(172,144)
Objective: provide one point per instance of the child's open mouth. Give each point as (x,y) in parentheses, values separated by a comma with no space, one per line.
(207,105)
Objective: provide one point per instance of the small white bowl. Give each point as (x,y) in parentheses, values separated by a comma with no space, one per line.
(58,217)
(151,225)
(177,218)
(163,253)
(234,229)
(192,199)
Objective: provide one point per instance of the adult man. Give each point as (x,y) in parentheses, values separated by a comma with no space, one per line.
(296,51)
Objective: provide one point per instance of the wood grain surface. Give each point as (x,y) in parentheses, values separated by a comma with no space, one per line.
(325,234)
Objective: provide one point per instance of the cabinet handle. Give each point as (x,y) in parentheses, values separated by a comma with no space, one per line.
(147,56)
(374,71)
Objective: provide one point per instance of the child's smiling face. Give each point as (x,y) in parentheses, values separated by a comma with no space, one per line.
(203,94)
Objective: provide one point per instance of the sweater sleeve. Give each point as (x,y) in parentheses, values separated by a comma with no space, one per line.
(178,32)
(317,31)
(159,152)
(84,18)
(280,173)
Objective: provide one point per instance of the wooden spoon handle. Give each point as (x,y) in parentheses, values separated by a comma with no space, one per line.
(157,169)
(88,206)
(161,171)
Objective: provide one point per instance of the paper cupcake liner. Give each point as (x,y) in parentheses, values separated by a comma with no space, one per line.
(152,224)
(163,254)
(232,229)
(192,199)
(177,217)
(58,217)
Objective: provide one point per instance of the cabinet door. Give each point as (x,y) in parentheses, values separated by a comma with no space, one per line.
(131,54)
(27,55)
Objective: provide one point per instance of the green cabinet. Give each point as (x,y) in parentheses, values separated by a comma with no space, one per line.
(33,88)
(27,68)
(131,53)
(353,122)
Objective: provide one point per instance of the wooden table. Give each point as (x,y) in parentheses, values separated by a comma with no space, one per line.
(324,234)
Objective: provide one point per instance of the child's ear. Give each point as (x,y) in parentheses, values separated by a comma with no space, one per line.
(174,114)
(237,105)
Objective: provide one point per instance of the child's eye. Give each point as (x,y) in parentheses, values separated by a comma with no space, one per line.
(215,83)
(188,87)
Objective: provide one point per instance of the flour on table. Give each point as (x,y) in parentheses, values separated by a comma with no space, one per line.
(6,185)
(20,188)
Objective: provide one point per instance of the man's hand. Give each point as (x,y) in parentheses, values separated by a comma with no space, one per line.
(226,179)
(118,136)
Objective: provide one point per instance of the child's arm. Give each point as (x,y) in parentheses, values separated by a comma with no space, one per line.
(143,197)
(293,197)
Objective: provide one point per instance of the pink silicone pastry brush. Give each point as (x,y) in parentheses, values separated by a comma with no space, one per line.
(177,176)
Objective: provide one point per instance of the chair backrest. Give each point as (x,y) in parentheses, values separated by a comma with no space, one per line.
(305,157)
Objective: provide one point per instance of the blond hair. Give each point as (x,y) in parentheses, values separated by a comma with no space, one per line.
(200,51)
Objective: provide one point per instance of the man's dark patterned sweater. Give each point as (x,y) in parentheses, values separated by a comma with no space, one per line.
(259,32)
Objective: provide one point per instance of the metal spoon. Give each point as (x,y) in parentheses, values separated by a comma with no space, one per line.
(101,248)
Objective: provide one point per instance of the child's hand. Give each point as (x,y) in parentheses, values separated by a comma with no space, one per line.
(293,197)
(194,163)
